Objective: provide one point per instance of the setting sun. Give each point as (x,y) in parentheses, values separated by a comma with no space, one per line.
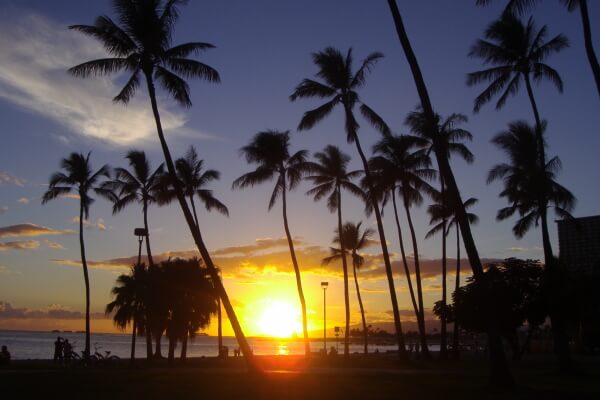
(279,319)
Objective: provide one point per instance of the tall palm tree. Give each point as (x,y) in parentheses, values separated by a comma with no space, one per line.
(520,6)
(530,189)
(78,178)
(142,46)
(499,372)
(353,241)
(397,167)
(473,219)
(270,150)
(340,85)
(517,53)
(329,176)
(139,185)
(128,305)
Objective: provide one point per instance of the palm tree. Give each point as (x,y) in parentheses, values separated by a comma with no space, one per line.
(517,53)
(139,185)
(520,6)
(530,190)
(128,302)
(398,168)
(353,241)
(329,175)
(270,151)
(142,47)
(473,219)
(78,178)
(340,86)
(500,374)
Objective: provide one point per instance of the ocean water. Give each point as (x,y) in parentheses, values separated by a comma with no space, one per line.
(24,345)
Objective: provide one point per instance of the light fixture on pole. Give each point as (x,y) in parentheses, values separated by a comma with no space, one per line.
(324,285)
(140,233)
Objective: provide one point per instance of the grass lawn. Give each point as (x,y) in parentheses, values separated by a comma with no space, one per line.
(291,378)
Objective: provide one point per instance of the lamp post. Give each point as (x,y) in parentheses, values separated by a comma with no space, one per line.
(219,319)
(140,233)
(324,285)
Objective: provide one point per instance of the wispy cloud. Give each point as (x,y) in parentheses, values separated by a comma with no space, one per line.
(36,53)
(53,245)
(99,224)
(20,245)
(31,230)
(53,311)
(23,200)
(7,178)
(3,210)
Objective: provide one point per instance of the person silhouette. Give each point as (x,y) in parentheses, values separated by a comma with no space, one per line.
(58,349)
(67,350)
(4,356)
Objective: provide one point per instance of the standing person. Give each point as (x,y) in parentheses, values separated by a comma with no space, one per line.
(58,350)
(67,350)
(4,356)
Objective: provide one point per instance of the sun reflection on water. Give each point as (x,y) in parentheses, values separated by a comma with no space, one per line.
(283,349)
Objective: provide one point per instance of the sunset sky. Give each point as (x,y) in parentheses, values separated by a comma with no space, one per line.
(263,52)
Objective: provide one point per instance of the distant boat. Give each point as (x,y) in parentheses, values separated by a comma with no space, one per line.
(55,331)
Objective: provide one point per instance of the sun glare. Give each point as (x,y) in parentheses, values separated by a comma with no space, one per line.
(280,319)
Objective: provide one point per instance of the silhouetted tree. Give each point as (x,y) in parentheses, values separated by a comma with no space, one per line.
(521,6)
(398,167)
(340,85)
(141,45)
(270,151)
(329,176)
(353,241)
(79,179)
(500,374)
(529,190)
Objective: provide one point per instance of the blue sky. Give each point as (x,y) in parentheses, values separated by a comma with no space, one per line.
(263,51)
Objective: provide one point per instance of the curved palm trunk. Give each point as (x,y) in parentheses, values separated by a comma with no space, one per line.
(133,334)
(386,257)
(561,341)
(184,343)
(237,329)
(345,268)
(149,252)
(421,316)
(362,310)
(589,48)
(86,279)
(500,374)
(296,270)
(456,330)
(404,262)
(443,337)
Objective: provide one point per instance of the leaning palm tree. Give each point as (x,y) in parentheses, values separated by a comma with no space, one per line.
(473,219)
(329,176)
(520,6)
(353,241)
(517,53)
(270,151)
(398,167)
(139,185)
(340,85)
(142,45)
(530,190)
(78,178)
(128,304)
(499,372)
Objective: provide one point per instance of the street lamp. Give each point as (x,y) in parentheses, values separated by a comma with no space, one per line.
(324,286)
(219,319)
(140,233)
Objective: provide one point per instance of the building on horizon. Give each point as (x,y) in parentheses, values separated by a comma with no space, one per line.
(579,244)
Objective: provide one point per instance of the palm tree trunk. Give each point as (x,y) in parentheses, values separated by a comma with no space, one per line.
(421,316)
(362,311)
(386,257)
(499,372)
(538,123)
(172,345)
(589,48)
(455,333)
(148,341)
(404,262)
(296,268)
(158,348)
(194,210)
(443,333)
(133,334)
(150,261)
(184,342)
(345,269)
(195,231)
(86,279)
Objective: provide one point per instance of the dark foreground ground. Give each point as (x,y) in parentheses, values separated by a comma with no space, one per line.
(290,377)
